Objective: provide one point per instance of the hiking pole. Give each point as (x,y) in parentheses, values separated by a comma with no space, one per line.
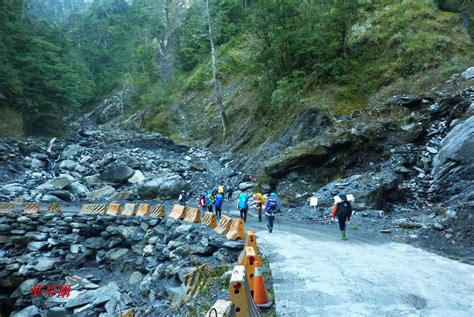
(278,222)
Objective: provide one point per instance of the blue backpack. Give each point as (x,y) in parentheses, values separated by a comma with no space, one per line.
(218,202)
(243,201)
(272,205)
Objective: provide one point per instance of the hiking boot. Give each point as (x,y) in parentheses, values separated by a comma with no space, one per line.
(343,235)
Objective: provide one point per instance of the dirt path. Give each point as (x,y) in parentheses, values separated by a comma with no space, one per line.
(316,274)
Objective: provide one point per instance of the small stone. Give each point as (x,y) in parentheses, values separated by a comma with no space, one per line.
(148,249)
(45,263)
(135,278)
(431,149)
(183,228)
(117,253)
(95,243)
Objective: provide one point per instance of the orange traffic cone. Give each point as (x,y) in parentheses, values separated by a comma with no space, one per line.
(260,295)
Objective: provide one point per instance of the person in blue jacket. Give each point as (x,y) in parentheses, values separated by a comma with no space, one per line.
(243,205)
(218,204)
(271,208)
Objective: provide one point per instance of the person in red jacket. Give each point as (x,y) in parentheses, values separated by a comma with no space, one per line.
(343,210)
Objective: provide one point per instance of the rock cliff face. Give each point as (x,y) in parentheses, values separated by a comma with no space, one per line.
(454,164)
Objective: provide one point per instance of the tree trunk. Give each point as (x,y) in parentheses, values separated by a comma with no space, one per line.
(220,102)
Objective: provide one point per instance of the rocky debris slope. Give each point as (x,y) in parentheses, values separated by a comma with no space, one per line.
(112,263)
(110,164)
(408,162)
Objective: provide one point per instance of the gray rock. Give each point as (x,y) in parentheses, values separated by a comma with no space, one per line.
(61,182)
(451,214)
(95,243)
(50,199)
(470,110)
(101,193)
(246,185)
(234,245)
(137,178)
(148,249)
(453,166)
(36,235)
(62,195)
(117,253)
(469,73)
(79,189)
(71,150)
(29,311)
(135,277)
(407,224)
(23,219)
(119,174)
(45,263)
(94,297)
(12,189)
(37,164)
(93,179)
(183,228)
(37,246)
(24,288)
(371,190)
(199,165)
(69,165)
(167,186)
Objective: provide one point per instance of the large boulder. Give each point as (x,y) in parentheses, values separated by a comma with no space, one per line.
(61,182)
(166,186)
(369,190)
(119,174)
(71,150)
(453,166)
(101,193)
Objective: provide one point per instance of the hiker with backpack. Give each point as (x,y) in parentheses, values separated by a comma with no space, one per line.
(270,211)
(182,198)
(218,204)
(343,210)
(260,200)
(52,159)
(209,202)
(243,205)
(220,189)
(202,203)
(229,193)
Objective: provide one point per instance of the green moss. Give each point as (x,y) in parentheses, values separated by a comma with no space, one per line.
(11,124)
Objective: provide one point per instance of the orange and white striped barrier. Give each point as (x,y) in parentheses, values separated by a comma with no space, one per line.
(93,209)
(128,210)
(209,220)
(193,215)
(260,295)
(239,294)
(113,209)
(224,225)
(178,212)
(32,208)
(6,207)
(157,211)
(143,210)
(18,201)
(236,229)
(54,207)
